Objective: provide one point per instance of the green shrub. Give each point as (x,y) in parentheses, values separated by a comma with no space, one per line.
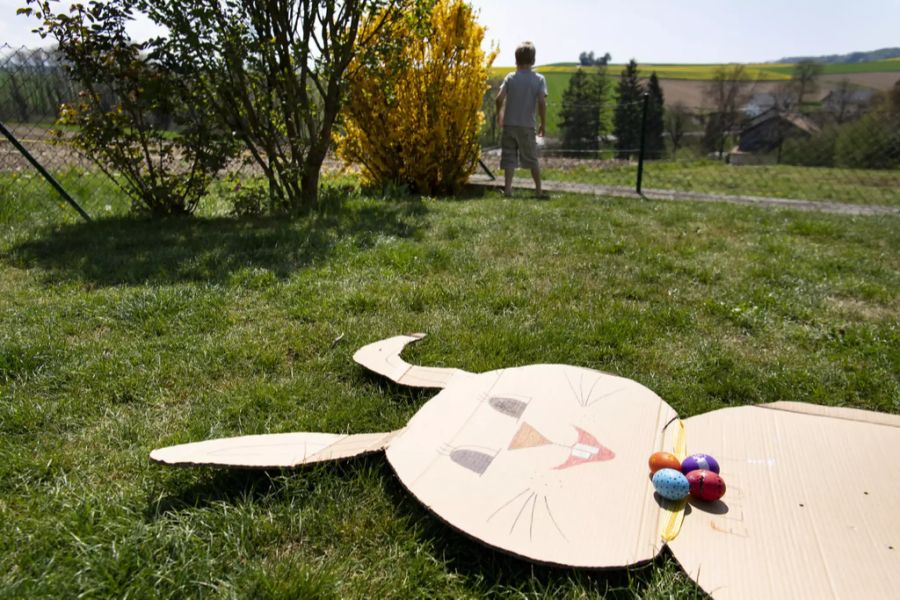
(414,117)
(872,142)
(137,118)
(815,151)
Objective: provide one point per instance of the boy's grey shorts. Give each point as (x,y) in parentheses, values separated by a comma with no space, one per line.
(518,147)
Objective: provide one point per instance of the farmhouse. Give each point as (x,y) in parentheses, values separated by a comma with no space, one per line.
(768,131)
(844,104)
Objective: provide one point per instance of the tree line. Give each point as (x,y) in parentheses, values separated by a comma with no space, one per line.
(594,111)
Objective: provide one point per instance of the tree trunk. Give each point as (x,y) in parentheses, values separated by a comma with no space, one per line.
(309,185)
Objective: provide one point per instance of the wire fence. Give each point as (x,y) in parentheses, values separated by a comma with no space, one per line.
(830,150)
(827,151)
(33,86)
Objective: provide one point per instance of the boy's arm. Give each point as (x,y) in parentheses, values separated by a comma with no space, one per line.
(501,98)
(542,114)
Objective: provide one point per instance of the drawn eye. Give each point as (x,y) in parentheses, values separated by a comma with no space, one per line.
(511,407)
(473,460)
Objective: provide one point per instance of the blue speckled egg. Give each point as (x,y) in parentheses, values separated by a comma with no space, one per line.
(703,462)
(671,484)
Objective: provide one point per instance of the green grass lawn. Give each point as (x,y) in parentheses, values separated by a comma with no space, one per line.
(855,186)
(123,335)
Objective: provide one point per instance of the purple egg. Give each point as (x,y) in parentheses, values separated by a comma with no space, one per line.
(699,461)
(671,484)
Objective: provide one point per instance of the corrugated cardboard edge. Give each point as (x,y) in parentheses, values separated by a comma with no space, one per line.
(272,451)
(811,506)
(383,357)
(836,412)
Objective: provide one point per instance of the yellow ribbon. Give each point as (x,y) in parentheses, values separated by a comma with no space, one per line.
(672,517)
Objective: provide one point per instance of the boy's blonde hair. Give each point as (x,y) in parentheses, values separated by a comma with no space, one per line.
(525,54)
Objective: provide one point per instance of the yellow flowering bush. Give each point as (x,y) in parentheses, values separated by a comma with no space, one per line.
(413,115)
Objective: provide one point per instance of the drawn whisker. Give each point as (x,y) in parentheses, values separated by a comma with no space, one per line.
(591,391)
(581,388)
(553,520)
(531,525)
(521,510)
(508,502)
(606,395)
(572,387)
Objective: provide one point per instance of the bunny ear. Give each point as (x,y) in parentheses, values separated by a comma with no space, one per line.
(384,358)
(811,505)
(272,451)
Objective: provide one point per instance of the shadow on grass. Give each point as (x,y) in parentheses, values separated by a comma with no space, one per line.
(482,564)
(118,251)
(488,570)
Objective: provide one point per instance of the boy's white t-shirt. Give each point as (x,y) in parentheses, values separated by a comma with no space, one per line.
(523,88)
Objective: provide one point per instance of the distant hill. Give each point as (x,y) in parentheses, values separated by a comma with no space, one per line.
(841,59)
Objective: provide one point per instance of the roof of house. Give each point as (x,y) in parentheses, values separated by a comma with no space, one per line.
(855,96)
(798,120)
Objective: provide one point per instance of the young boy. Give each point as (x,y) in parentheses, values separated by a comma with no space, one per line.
(521,92)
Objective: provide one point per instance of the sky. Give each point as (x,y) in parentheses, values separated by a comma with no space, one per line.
(650,31)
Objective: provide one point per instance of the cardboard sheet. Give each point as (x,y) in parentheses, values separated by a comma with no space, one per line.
(271,451)
(549,462)
(812,508)
(383,357)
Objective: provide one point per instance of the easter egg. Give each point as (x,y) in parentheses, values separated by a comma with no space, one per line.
(664,460)
(699,461)
(671,484)
(706,485)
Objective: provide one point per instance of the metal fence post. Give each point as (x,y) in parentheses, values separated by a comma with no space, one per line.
(640,171)
(40,168)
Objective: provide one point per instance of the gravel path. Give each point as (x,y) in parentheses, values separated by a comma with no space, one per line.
(673,195)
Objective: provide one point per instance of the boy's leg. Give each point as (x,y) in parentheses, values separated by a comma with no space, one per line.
(509,158)
(536,175)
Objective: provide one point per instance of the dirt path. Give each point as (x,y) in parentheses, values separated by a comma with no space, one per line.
(673,195)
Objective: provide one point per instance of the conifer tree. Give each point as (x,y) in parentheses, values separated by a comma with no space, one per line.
(627,119)
(603,93)
(580,114)
(655,144)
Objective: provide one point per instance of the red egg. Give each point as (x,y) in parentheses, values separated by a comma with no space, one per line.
(664,460)
(706,485)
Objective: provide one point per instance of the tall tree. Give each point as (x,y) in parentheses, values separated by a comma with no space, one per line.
(843,97)
(603,93)
(806,78)
(276,72)
(587,59)
(580,113)
(655,145)
(627,117)
(726,91)
(677,120)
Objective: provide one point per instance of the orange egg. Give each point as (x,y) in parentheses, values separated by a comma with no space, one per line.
(664,460)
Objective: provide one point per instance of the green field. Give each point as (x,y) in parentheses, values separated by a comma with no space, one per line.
(558,75)
(754,71)
(127,334)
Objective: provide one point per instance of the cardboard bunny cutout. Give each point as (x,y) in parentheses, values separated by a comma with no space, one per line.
(549,463)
